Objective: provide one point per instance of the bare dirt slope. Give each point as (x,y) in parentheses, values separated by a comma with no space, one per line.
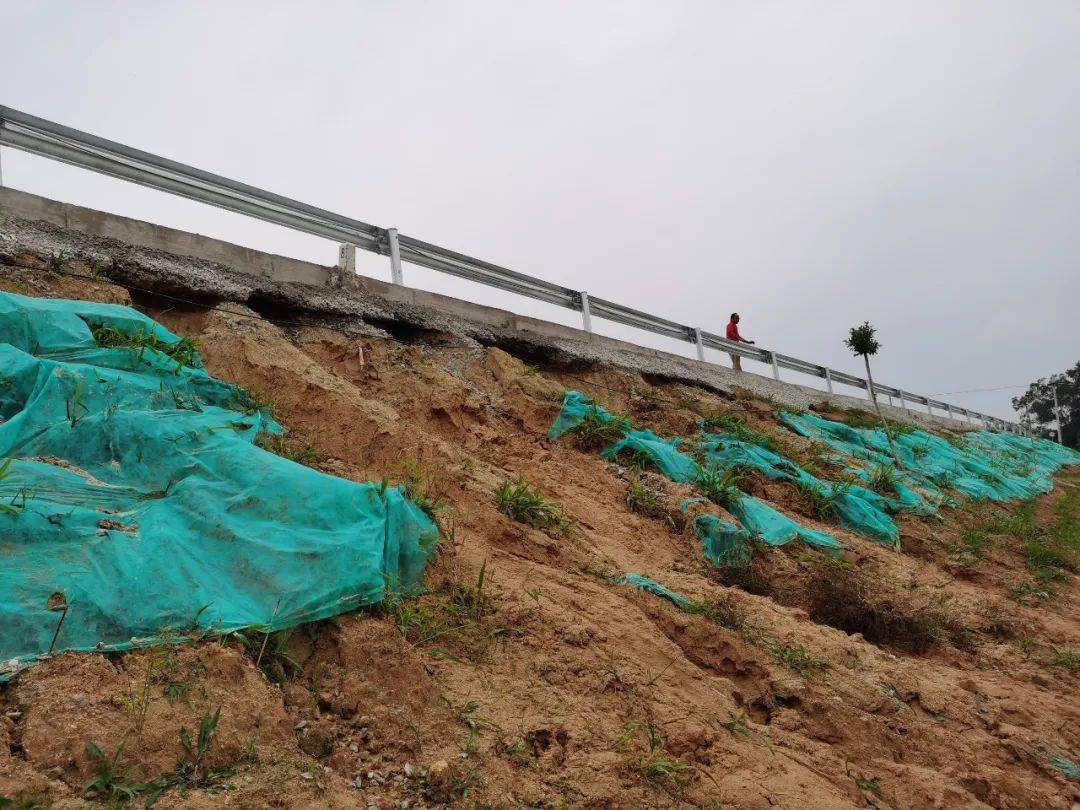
(942,676)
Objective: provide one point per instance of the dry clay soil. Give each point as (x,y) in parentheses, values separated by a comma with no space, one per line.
(556,688)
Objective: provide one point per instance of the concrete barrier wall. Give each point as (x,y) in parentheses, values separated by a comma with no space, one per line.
(573,341)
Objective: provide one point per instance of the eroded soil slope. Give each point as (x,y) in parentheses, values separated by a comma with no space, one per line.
(941,676)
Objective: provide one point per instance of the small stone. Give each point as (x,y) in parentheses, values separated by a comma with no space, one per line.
(354,748)
(438,768)
(306,775)
(78,698)
(408,769)
(302,724)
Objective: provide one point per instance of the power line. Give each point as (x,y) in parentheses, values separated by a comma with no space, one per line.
(979,390)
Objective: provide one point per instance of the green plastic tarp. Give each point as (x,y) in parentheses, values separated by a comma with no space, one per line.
(135,490)
(760,519)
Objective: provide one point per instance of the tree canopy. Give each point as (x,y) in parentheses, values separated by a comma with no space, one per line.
(862,340)
(1038,403)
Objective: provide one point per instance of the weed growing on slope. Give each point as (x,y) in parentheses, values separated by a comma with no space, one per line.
(1025,591)
(735,426)
(821,501)
(883,479)
(420,488)
(1067,659)
(191,771)
(5,473)
(56,261)
(270,653)
(455,614)
(647,501)
(184,352)
(736,724)
(597,430)
(656,766)
(864,420)
(795,657)
(307,454)
(724,612)
(99,270)
(111,783)
(525,504)
(1048,550)
(719,486)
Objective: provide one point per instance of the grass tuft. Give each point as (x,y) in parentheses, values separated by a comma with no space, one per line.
(598,430)
(719,486)
(525,504)
(184,352)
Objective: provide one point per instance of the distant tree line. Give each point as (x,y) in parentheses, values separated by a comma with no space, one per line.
(1038,404)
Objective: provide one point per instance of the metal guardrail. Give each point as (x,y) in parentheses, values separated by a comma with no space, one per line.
(39,136)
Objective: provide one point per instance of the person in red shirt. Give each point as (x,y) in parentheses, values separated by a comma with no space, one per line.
(734,336)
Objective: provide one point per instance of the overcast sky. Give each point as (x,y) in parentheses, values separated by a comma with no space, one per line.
(811,165)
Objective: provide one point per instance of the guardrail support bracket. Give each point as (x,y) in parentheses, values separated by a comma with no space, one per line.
(828,380)
(775,367)
(699,345)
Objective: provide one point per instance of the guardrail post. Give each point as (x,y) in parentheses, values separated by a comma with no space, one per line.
(699,345)
(775,367)
(828,380)
(395,256)
(1,167)
(948,410)
(346,259)
(586,316)
(929,410)
(903,405)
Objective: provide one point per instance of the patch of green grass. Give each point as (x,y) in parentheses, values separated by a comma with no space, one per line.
(1025,590)
(525,504)
(307,454)
(419,488)
(883,479)
(865,420)
(99,270)
(184,352)
(795,657)
(111,783)
(736,427)
(57,259)
(5,473)
(517,752)
(821,501)
(598,430)
(270,653)
(736,724)
(1067,659)
(719,486)
(658,768)
(644,500)
(724,613)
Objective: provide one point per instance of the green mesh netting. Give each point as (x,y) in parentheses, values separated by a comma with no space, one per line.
(654,587)
(760,519)
(982,465)
(858,509)
(723,543)
(135,490)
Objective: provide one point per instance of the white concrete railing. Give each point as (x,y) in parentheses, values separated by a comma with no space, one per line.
(48,139)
